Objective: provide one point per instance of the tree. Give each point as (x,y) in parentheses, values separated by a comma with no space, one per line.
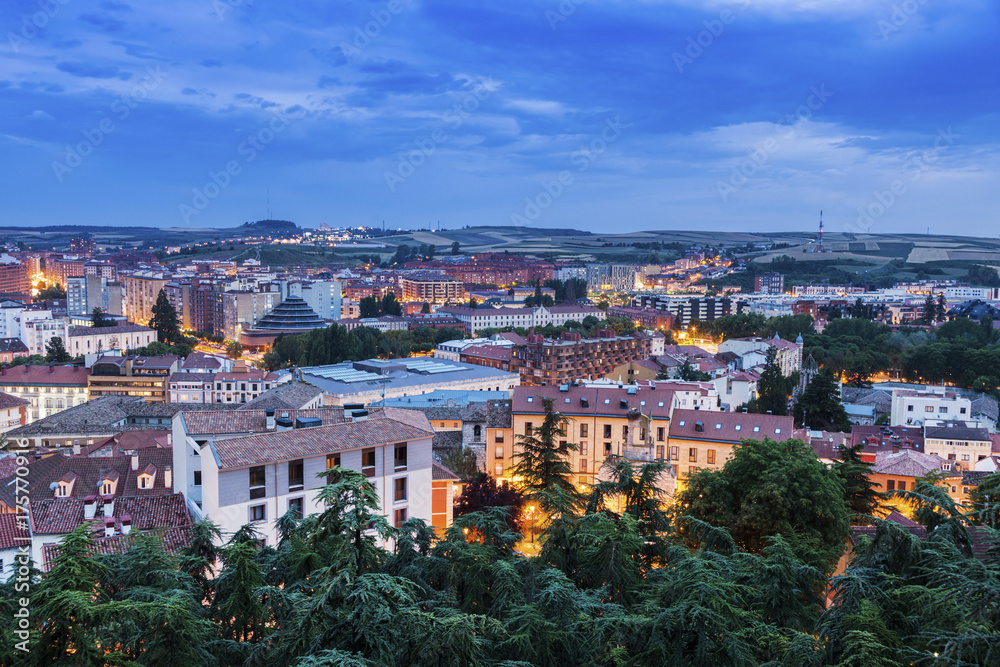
(859,491)
(819,406)
(771,488)
(52,291)
(483,492)
(164,320)
(463,462)
(390,306)
(370,306)
(455,247)
(425,309)
(98,318)
(473,302)
(941,309)
(930,310)
(689,373)
(772,389)
(55,351)
(234,349)
(402,253)
(541,459)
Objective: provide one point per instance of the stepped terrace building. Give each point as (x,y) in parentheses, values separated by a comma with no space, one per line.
(291,316)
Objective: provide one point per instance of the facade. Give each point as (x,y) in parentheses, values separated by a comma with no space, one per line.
(191,387)
(38,328)
(141,291)
(547,361)
(323,296)
(48,389)
(647,317)
(958,442)
(144,377)
(95,340)
(13,412)
(11,349)
(242,309)
(243,384)
(899,470)
(615,277)
(769,283)
(603,419)
(382,323)
(258,478)
(685,309)
(432,289)
(14,277)
(492,356)
(753,352)
(477,319)
(913,408)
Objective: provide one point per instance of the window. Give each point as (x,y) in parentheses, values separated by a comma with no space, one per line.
(477,431)
(399,516)
(607,449)
(399,489)
(756,429)
(498,437)
(107,488)
(659,452)
(675,453)
(928,408)
(909,408)
(197,478)
(146,482)
(777,431)
(295,506)
(660,433)
(942,409)
(368,462)
(399,456)
(258,512)
(257,477)
(583,465)
(902,485)
(692,470)
(711,456)
(527,428)
(295,476)
(607,430)
(498,469)
(583,448)
(624,432)
(584,430)
(965,457)
(693,454)
(890,485)
(962,410)
(718,426)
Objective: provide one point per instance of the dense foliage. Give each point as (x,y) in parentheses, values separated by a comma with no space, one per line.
(334,344)
(164,320)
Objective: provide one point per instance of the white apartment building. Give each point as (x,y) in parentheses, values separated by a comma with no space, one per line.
(477,319)
(452,349)
(323,296)
(39,327)
(753,352)
(91,340)
(914,408)
(241,478)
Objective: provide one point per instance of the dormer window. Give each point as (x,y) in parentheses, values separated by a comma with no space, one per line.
(107,487)
(145,481)
(64,489)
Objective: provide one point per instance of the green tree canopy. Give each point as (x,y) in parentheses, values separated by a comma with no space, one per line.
(164,321)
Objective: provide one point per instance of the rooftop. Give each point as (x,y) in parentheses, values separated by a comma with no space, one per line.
(731,427)
(28,375)
(360,377)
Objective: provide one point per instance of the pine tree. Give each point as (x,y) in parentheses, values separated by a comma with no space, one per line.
(772,389)
(164,320)
(99,319)
(860,494)
(941,310)
(930,310)
(542,457)
(55,351)
(819,406)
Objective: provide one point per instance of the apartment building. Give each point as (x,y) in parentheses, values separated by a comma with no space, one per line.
(957,441)
(647,317)
(242,384)
(258,478)
(11,349)
(13,276)
(753,352)
(685,309)
(48,389)
(95,340)
(548,361)
(13,412)
(141,291)
(604,419)
(144,377)
(241,309)
(769,283)
(477,319)
(913,407)
(432,289)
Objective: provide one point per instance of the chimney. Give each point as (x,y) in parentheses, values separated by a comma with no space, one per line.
(76,449)
(135,460)
(269,416)
(168,477)
(52,369)
(89,508)
(109,505)
(109,527)
(895,449)
(126,524)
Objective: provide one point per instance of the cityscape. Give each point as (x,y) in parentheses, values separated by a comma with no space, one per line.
(560,333)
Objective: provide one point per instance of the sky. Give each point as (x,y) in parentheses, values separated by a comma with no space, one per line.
(599,115)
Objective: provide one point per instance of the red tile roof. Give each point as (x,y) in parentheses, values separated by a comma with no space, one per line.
(8,401)
(440,473)
(730,427)
(13,530)
(596,400)
(173,540)
(74,376)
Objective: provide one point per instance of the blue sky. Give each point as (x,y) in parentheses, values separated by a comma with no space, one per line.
(595,114)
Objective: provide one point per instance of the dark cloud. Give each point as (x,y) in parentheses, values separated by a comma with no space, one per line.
(210,62)
(105,23)
(87,70)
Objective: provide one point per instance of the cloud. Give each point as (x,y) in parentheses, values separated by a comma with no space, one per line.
(105,23)
(87,70)
(38,114)
(66,44)
(210,62)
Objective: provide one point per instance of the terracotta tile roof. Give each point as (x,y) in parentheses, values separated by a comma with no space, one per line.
(957,433)
(439,473)
(58,516)
(392,425)
(248,376)
(908,463)
(983,540)
(488,352)
(447,440)
(730,427)
(90,471)
(30,376)
(13,530)
(174,539)
(8,401)
(205,378)
(882,438)
(974,477)
(592,400)
(202,360)
(499,414)
(287,396)
(13,346)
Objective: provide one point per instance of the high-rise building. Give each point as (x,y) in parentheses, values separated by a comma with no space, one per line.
(13,276)
(769,283)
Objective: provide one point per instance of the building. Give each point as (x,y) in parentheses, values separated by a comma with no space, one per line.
(258,478)
(365,382)
(646,317)
(736,388)
(144,377)
(191,387)
(11,349)
(432,288)
(452,350)
(323,296)
(95,340)
(547,361)
(141,291)
(913,407)
(243,384)
(603,419)
(381,323)
(477,319)
(291,316)
(769,283)
(13,412)
(85,293)
(957,441)
(753,352)
(242,309)
(685,309)
(900,469)
(613,277)
(14,279)
(492,356)
(48,389)
(700,439)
